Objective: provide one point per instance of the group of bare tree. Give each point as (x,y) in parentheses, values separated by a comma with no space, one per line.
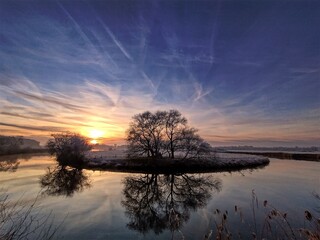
(164,133)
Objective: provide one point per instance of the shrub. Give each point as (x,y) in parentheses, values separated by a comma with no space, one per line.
(69,148)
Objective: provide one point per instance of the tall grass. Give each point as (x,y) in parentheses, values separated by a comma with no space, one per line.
(20,220)
(271,224)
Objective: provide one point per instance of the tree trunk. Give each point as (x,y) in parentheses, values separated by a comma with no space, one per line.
(172,153)
(171,148)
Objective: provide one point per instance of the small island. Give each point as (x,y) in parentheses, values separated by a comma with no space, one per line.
(159,142)
(219,162)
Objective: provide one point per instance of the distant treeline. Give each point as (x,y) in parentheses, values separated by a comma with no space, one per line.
(278,149)
(18,145)
(284,155)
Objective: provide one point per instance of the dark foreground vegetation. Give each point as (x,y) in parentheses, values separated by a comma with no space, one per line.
(265,222)
(20,220)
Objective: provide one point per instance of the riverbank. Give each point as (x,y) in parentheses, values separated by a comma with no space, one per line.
(23,151)
(217,163)
(284,155)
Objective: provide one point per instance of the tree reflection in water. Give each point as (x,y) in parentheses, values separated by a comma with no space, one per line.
(159,202)
(10,163)
(64,181)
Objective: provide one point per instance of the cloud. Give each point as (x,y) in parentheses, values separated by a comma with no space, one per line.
(43,117)
(84,67)
(48,99)
(39,128)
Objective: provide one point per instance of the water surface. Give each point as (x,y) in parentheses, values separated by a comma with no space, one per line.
(109,205)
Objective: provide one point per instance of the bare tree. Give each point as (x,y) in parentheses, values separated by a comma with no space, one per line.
(164,133)
(191,145)
(175,123)
(145,134)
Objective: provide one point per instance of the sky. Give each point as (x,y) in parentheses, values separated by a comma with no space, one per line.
(242,72)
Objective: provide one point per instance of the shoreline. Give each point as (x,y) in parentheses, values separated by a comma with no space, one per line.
(222,162)
(25,151)
(314,157)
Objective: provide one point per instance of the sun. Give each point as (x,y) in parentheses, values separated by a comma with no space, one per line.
(95,136)
(95,133)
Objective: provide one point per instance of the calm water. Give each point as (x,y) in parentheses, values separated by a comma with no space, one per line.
(108,205)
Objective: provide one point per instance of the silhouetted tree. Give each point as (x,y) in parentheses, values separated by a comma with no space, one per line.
(145,134)
(191,145)
(158,202)
(64,181)
(175,123)
(164,133)
(69,148)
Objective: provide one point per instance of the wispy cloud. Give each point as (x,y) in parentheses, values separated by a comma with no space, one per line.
(40,128)
(95,104)
(90,66)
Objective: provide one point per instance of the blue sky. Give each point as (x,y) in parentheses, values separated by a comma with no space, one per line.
(242,72)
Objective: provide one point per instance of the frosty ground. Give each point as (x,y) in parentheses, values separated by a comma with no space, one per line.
(116,160)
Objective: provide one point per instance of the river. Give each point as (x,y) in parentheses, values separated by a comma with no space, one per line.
(112,205)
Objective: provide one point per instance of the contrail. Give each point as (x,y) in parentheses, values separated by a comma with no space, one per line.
(119,45)
(83,35)
(127,55)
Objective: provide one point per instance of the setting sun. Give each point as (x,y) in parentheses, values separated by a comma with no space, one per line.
(95,133)
(94,141)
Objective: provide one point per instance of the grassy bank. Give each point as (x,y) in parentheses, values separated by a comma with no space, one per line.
(217,163)
(285,155)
